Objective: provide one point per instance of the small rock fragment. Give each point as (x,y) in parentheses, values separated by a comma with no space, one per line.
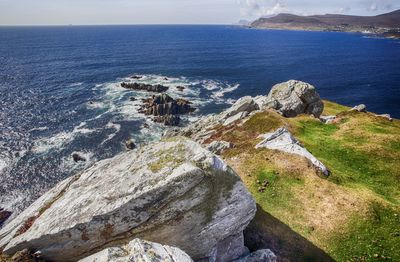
(130,144)
(77,157)
(360,108)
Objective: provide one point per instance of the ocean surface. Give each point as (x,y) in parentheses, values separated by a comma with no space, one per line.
(60,93)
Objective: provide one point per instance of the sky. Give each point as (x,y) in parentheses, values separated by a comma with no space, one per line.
(92,12)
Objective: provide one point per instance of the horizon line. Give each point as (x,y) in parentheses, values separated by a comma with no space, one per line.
(136,24)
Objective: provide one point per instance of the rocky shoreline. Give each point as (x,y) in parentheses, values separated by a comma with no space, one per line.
(170,200)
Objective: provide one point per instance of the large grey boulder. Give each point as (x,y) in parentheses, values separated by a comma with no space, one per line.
(283,140)
(295,97)
(172,192)
(137,251)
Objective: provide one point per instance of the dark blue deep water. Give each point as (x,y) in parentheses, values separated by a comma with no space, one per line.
(59,89)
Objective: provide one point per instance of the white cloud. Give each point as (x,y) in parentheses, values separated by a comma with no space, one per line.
(378,5)
(343,10)
(260,8)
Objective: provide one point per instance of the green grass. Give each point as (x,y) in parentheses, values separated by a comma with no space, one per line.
(276,194)
(372,238)
(348,164)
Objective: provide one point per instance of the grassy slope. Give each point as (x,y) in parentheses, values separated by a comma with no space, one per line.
(354,215)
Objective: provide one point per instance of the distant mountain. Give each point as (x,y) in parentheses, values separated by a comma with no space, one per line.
(379,24)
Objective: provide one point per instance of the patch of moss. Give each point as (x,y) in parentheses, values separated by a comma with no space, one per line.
(375,237)
(220,184)
(171,157)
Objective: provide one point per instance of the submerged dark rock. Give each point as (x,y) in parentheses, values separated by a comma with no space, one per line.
(130,144)
(78,157)
(136,77)
(144,87)
(4,215)
(180,88)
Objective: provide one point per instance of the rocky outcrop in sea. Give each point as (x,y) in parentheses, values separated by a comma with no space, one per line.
(166,109)
(144,87)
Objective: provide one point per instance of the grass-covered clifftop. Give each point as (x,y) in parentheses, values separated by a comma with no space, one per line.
(353,215)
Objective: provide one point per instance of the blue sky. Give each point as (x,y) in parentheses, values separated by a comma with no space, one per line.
(61,12)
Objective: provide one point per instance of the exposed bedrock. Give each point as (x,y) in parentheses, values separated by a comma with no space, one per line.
(172,192)
(283,140)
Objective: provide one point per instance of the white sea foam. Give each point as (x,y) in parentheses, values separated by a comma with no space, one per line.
(116,127)
(75,84)
(45,144)
(95,105)
(59,140)
(4,163)
(39,129)
(225,90)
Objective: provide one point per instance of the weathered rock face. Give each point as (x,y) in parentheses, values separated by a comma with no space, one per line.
(217,147)
(244,104)
(282,140)
(173,192)
(293,98)
(202,129)
(139,250)
(145,87)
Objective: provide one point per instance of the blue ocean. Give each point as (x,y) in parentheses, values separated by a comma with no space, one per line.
(60,86)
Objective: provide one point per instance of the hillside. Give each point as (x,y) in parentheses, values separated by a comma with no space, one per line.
(351,216)
(332,22)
